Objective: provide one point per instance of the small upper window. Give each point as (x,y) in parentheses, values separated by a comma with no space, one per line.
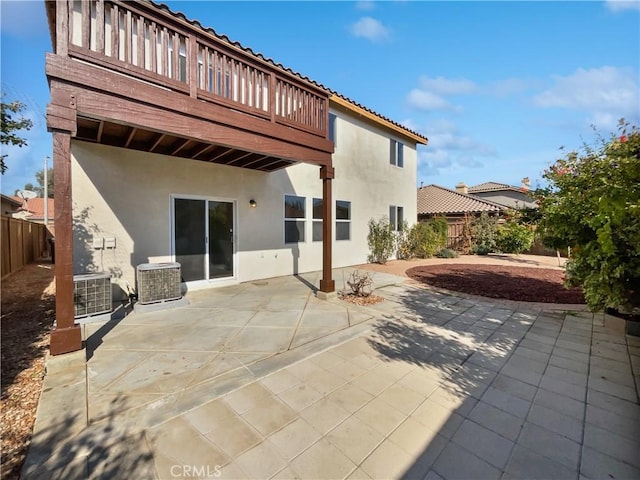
(332,128)
(396,153)
(317,220)
(294,215)
(343,220)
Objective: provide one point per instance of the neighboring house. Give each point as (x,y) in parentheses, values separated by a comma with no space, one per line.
(33,210)
(501,193)
(9,205)
(172,143)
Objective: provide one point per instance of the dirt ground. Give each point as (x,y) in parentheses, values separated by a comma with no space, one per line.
(527,278)
(28,312)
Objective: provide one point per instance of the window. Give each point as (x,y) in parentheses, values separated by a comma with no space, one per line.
(396,218)
(343,220)
(317,220)
(396,153)
(332,128)
(294,215)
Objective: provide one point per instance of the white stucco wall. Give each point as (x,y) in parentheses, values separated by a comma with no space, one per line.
(127,195)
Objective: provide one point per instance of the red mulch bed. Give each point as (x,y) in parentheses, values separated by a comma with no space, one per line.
(523,284)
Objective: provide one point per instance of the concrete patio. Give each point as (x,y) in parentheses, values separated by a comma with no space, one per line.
(264,380)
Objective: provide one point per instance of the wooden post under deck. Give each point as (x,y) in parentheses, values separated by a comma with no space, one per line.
(327,173)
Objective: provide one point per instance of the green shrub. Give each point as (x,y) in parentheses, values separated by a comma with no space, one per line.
(381,240)
(514,238)
(484,234)
(447,253)
(404,249)
(426,238)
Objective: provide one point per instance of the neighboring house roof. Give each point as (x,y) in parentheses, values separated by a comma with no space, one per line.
(334,96)
(11,200)
(34,208)
(433,199)
(494,187)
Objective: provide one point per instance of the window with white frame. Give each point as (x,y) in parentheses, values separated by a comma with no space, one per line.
(294,218)
(317,220)
(396,217)
(396,153)
(343,220)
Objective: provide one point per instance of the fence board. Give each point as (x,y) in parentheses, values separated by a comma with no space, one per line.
(22,242)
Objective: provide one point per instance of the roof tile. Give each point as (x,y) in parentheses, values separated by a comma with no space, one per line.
(433,199)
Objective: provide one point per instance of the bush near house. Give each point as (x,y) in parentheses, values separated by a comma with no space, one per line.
(484,230)
(513,237)
(592,204)
(381,240)
(426,238)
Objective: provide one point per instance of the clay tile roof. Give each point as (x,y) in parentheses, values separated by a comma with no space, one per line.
(35,207)
(12,200)
(490,187)
(433,199)
(249,51)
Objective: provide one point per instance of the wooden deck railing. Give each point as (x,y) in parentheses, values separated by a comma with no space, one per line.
(142,41)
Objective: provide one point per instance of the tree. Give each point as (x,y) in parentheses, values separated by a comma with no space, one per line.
(10,125)
(40,179)
(592,204)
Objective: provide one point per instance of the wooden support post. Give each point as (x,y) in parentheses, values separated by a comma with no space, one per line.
(61,121)
(327,173)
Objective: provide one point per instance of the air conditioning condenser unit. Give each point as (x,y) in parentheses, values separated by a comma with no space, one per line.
(158,282)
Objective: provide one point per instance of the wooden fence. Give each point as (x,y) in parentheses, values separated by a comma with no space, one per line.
(22,243)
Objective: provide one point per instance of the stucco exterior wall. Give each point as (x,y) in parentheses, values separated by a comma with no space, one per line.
(126,195)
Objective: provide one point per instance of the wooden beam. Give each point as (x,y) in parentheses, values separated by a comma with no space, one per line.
(66,336)
(157,142)
(100,130)
(327,284)
(130,138)
(239,156)
(202,151)
(62,29)
(180,147)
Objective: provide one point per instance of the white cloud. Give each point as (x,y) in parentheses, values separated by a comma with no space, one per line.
(365,5)
(427,101)
(622,5)
(447,86)
(508,86)
(602,93)
(371,29)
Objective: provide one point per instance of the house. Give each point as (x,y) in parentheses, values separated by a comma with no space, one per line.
(33,210)
(9,205)
(173,143)
(436,201)
(501,193)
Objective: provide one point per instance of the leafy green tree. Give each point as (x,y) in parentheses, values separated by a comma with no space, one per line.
(427,238)
(9,126)
(513,237)
(592,204)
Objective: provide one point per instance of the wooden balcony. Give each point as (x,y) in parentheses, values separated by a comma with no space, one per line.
(143,77)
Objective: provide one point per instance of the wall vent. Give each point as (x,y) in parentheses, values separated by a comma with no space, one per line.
(158,282)
(91,294)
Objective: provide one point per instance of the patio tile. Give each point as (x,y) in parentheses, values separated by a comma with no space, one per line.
(626,392)
(294,438)
(325,382)
(598,465)
(525,463)
(333,320)
(401,398)
(560,403)
(300,396)
(280,381)
(556,422)
(234,436)
(484,443)
(566,375)
(322,461)
(355,438)
(420,381)
(350,397)
(381,416)
(324,415)
(613,404)
(496,420)
(413,437)
(358,474)
(609,443)
(180,441)
(571,390)
(623,425)
(387,461)
(373,383)
(209,416)
(507,402)
(437,418)
(270,416)
(568,364)
(551,445)
(456,463)
(248,397)
(261,461)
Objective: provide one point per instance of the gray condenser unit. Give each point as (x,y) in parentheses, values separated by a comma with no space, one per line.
(91,294)
(158,282)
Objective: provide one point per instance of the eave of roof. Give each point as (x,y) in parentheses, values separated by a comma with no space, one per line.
(10,200)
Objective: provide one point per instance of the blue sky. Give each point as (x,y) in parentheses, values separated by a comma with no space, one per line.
(497,87)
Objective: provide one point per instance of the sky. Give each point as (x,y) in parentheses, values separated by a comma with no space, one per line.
(498,88)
